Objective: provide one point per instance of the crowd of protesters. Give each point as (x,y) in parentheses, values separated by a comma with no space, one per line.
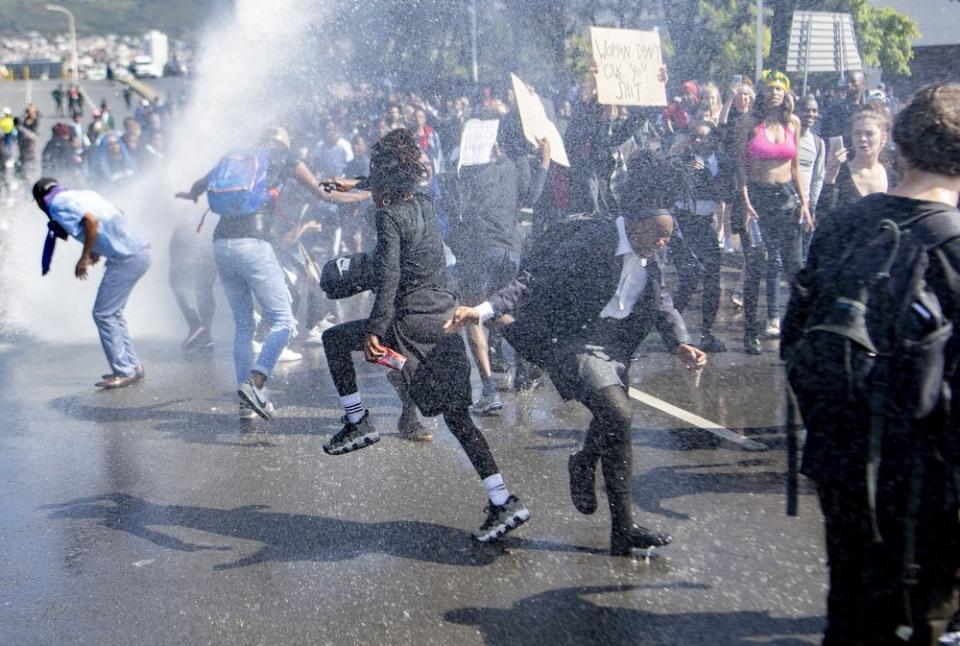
(571,262)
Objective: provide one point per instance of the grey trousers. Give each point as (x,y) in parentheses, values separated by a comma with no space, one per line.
(118,280)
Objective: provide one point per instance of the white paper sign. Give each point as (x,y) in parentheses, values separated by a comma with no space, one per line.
(628,67)
(477,141)
(536,124)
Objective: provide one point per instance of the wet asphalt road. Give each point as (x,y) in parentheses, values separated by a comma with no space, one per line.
(151,515)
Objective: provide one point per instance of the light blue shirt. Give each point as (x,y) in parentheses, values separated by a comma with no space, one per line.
(115,239)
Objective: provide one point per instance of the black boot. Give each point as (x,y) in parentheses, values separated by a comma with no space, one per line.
(628,541)
(625,537)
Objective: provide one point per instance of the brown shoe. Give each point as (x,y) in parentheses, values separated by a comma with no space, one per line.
(116,381)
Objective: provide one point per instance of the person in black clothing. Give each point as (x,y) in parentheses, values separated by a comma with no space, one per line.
(488,245)
(59,159)
(839,112)
(412,303)
(870,595)
(586,296)
(704,175)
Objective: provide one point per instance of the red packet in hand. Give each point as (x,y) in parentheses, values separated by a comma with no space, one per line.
(392,359)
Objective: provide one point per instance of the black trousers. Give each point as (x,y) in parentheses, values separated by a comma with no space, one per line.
(866,601)
(192,275)
(342,340)
(609,439)
(777,206)
(698,258)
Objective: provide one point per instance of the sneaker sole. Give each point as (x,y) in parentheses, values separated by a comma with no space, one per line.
(257,408)
(501,530)
(487,411)
(361,442)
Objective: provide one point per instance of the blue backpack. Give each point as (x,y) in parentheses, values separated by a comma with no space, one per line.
(238,185)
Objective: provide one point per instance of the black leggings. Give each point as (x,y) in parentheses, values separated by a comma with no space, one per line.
(608,438)
(341,340)
(698,257)
(777,207)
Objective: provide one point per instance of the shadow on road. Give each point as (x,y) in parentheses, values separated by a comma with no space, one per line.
(191,426)
(651,488)
(290,537)
(562,617)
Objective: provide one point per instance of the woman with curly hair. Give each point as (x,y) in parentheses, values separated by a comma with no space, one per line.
(412,303)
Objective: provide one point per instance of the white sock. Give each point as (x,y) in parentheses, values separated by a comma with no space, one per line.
(353,406)
(496,490)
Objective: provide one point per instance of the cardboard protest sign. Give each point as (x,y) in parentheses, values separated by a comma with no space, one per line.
(628,67)
(477,141)
(536,124)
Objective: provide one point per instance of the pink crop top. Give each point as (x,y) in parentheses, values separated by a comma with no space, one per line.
(760,147)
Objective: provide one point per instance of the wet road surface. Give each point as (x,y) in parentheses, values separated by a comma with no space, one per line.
(151,515)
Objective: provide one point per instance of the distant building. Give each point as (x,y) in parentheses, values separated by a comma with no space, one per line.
(936,54)
(39,69)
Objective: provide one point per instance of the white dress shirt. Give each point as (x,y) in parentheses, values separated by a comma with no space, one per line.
(633,278)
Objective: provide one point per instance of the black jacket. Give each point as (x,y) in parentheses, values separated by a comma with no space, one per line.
(564,284)
(836,445)
(411,273)
(413,302)
(490,197)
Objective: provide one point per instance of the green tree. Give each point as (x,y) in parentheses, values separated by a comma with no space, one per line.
(712,38)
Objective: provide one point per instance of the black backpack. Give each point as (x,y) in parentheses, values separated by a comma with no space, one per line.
(878,334)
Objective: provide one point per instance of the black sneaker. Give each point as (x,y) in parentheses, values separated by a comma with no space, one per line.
(256,398)
(582,468)
(412,430)
(711,344)
(501,519)
(751,345)
(637,539)
(352,436)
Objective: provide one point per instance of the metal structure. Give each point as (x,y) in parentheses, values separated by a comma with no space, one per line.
(72,24)
(821,41)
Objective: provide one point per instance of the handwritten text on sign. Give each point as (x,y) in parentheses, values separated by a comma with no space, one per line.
(628,67)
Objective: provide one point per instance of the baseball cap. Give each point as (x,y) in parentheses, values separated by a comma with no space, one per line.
(277,134)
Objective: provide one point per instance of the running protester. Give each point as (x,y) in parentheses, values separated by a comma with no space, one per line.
(412,303)
(585,298)
(246,261)
(105,232)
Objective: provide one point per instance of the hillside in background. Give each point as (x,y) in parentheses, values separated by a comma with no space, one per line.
(181,19)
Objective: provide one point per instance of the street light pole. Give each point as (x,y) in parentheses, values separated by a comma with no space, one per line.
(72,24)
(474,62)
(759,39)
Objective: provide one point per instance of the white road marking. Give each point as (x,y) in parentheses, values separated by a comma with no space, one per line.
(695,420)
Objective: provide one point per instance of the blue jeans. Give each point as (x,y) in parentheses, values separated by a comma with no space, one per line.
(248,268)
(120,276)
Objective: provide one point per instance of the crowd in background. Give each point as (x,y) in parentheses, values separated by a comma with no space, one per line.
(489,212)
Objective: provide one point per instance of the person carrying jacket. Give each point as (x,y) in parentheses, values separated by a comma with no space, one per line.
(412,303)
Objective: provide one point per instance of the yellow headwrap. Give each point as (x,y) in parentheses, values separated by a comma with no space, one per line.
(775,78)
